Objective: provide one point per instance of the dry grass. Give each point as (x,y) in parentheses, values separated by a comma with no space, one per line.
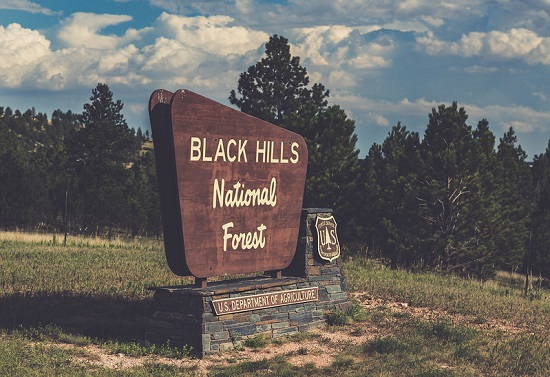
(77,240)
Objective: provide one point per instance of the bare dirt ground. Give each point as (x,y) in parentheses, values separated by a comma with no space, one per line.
(320,348)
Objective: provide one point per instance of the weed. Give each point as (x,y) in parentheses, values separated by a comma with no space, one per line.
(354,313)
(160,369)
(387,345)
(358,331)
(279,341)
(136,349)
(379,315)
(240,369)
(401,315)
(338,317)
(237,342)
(325,340)
(310,369)
(303,336)
(523,355)
(480,320)
(466,352)
(257,341)
(446,331)
(342,362)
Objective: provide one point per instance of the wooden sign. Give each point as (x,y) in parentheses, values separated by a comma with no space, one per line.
(266,300)
(231,186)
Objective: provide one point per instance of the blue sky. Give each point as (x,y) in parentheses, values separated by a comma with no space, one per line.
(383,61)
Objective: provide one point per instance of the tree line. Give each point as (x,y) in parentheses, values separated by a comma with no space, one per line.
(453,198)
(88,173)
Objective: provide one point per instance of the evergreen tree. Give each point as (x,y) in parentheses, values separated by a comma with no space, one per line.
(99,152)
(538,259)
(276,89)
(60,173)
(142,197)
(369,211)
(516,199)
(16,198)
(456,197)
(398,206)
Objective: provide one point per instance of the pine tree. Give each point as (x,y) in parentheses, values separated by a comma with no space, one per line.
(142,197)
(98,152)
(538,259)
(456,193)
(516,199)
(398,184)
(276,89)
(16,199)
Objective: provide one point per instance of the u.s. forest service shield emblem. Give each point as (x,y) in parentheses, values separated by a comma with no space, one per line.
(327,238)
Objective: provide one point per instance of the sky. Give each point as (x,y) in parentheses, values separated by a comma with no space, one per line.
(384,61)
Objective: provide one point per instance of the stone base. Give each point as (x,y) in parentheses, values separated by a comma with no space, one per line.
(185,315)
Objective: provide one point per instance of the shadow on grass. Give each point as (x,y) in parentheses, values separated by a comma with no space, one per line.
(105,318)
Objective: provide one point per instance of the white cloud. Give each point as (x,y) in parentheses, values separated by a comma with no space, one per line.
(373,116)
(380,120)
(524,119)
(244,6)
(119,61)
(540,95)
(213,34)
(359,49)
(512,44)
(82,29)
(20,49)
(63,69)
(169,56)
(341,79)
(541,54)
(519,126)
(433,21)
(27,6)
(339,48)
(500,117)
(281,17)
(197,52)
(479,69)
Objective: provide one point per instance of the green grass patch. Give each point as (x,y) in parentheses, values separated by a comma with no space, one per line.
(97,294)
(257,341)
(22,359)
(480,300)
(354,313)
(387,345)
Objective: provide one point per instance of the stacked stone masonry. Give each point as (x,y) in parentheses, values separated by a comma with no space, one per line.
(185,316)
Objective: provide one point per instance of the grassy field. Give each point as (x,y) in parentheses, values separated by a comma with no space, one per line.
(65,309)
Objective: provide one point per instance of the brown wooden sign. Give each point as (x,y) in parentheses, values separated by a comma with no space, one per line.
(266,300)
(231,186)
